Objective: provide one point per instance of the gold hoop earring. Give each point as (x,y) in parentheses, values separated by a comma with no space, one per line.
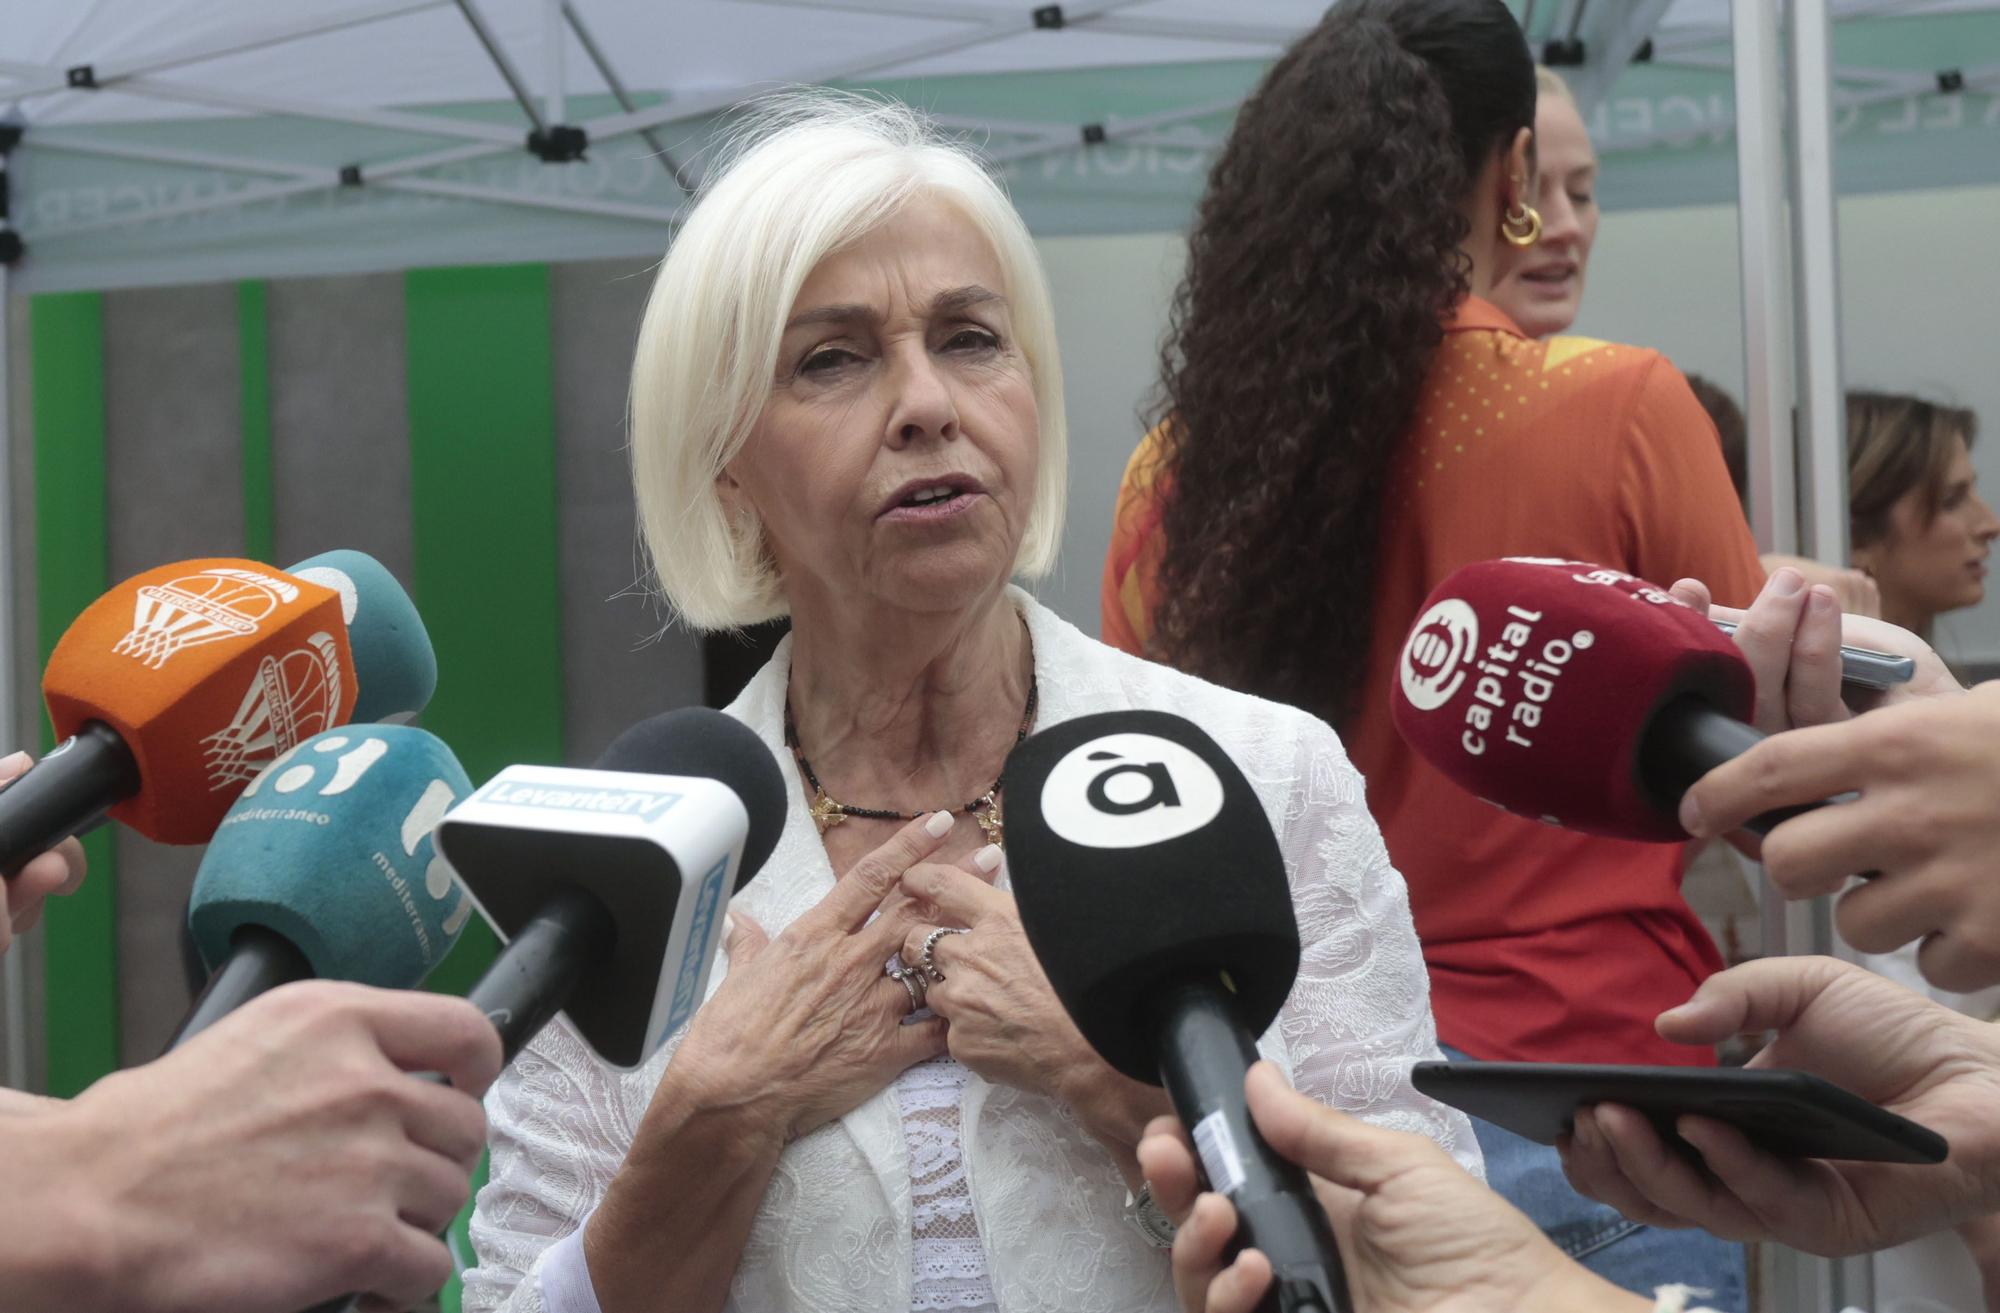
(1522,226)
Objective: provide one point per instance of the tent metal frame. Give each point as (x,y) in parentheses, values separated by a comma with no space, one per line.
(483,140)
(980,23)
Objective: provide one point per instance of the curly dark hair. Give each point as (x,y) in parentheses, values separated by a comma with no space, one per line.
(1324,261)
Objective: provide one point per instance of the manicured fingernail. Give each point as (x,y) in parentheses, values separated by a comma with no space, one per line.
(14,760)
(1691,815)
(938,825)
(1787,582)
(988,857)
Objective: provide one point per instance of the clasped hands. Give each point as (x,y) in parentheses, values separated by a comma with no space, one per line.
(807,1025)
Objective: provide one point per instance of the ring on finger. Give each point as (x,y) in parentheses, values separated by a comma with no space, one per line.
(911,980)
(927,957)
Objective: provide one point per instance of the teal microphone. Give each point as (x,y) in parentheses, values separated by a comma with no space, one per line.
(325,867)
(395,668)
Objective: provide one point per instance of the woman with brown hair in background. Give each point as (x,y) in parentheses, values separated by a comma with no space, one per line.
(1345,420)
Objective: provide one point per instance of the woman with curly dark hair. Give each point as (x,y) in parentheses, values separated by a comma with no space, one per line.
(1345,420)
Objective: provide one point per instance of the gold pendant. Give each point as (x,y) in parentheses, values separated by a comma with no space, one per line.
(827,813)
(991,821)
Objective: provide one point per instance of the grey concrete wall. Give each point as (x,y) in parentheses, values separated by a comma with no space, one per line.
(1110,296)
(340,420)
(618,665)
(173,454)
(24,688)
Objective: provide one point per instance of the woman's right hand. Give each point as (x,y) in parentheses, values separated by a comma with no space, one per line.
(806,1026)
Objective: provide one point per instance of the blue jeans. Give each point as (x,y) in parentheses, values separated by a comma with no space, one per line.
(1623,1252)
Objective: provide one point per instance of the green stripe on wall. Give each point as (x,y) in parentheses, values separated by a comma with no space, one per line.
(80,945)
(483,525)
(253,351)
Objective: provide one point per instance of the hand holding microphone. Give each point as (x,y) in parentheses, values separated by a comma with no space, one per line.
(175,688)
(1419,1235)
(1152,889)
(1791,635)
(57,871)
(281,1157)
(1583,697)
(1922,767)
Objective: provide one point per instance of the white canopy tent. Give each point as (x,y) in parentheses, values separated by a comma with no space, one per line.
(189,140)
(172,141)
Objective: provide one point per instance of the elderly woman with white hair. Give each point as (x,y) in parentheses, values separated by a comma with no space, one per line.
(847,407)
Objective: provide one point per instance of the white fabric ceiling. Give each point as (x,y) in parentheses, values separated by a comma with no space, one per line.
(426,56)
(215,145)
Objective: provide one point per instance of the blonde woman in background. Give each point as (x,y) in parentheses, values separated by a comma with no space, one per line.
(1540,287)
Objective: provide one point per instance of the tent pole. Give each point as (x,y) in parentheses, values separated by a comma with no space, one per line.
(1612,51)
(1822,400)
(510,74)
(682,178)
(1797,1282)
(533,201)
(110,71)
(552,48)
(13,966)
(501,137)
(1760,179)
(1816,256)
(194,159)
(617,125)
(1094,18)
(680,111)
(1116,131)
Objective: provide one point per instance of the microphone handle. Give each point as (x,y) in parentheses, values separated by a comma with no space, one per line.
(1687,739)
(533,976)
(530,981)
(1205,1051)
(260,960)
(64,793)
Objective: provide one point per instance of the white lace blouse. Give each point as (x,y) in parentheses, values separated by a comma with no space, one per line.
(839,1225)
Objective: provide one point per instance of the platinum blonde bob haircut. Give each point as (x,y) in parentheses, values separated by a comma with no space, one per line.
(810,173)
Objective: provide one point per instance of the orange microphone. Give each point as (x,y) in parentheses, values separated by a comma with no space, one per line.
(173,690)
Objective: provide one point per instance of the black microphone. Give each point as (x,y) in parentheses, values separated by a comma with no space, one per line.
(1152,889)
(609,884)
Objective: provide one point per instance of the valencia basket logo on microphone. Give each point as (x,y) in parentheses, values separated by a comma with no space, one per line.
(1130,791)
(1440,646)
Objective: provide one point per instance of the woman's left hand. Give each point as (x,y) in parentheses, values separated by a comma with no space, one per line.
(1004,1019)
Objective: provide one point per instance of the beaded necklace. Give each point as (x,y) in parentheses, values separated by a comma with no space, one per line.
(827,812)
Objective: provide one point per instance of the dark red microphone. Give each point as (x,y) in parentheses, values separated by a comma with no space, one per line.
(1574,694)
